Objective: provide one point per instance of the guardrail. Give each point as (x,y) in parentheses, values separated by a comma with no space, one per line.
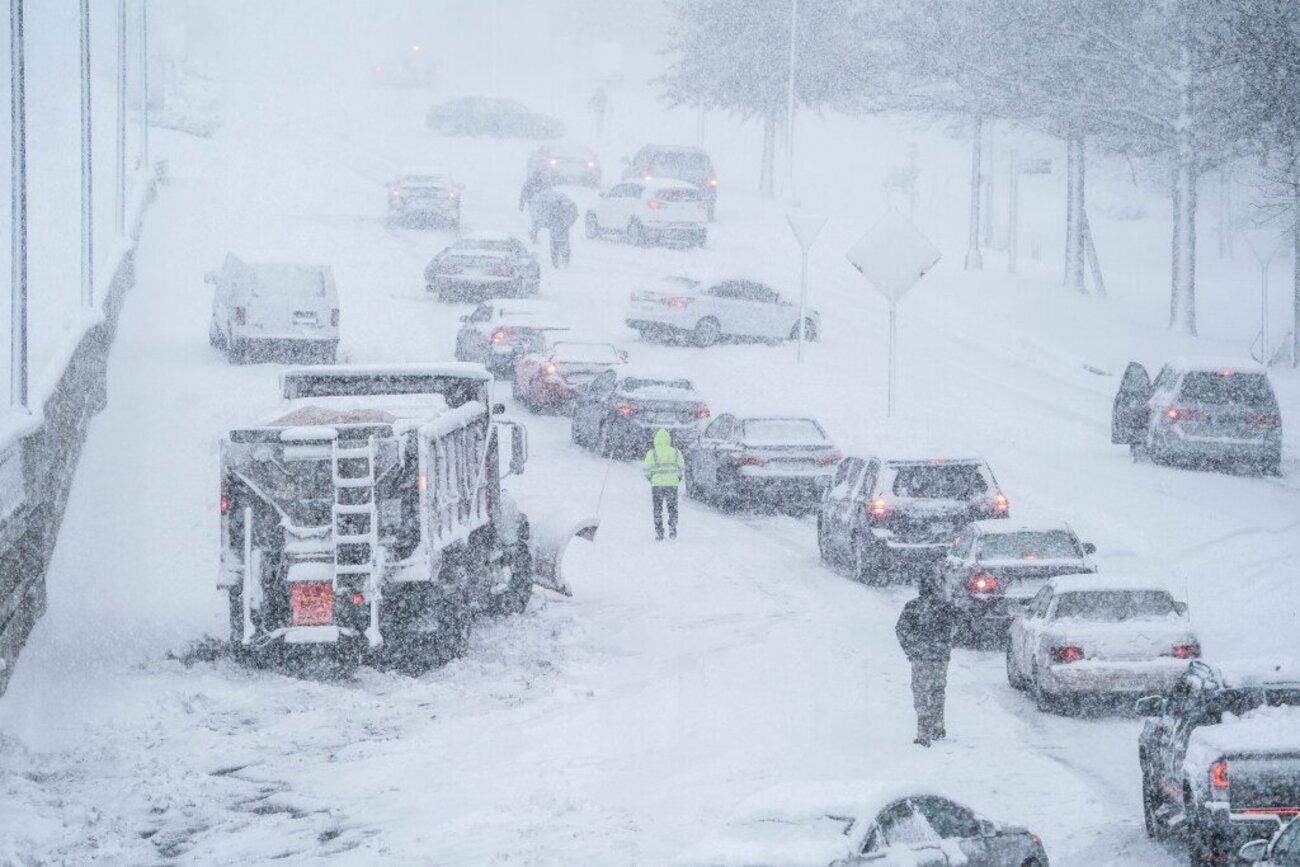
(37,466)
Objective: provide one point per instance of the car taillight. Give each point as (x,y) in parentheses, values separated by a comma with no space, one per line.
(625,411)
(241,315)
(654,204)
(742,460)
(1174,413)
(713,182)
(1219,775)
(649,178)
(498,336)
(1264,420)
(358,599)
(550,369)
(828,460)
(676,303)
(1187,651)
(702,412)
(500,271)
(877,508)
(591,164)
(224,505)
(982,583)
(394,192)
(1001,506)
(312,603)
(1067,654)
(334,317)
(451,194)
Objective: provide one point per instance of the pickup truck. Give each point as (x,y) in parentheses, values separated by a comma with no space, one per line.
(1220,755)
(704,312)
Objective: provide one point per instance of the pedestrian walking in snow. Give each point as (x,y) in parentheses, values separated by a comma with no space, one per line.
(663,467)
(560,215)
(533,187)
(925,632)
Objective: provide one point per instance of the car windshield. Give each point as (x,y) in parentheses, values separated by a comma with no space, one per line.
(678,194)
(680,164)
(1050,545)
(589,353)
(1251,389)
(633,383)
(939,481)
(1113,606)
(782,431)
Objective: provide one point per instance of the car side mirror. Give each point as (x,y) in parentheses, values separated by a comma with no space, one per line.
(1253,852)
(1089,548)
(1150,705)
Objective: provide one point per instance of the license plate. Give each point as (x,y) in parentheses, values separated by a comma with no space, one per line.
(1130,683)
(304,317)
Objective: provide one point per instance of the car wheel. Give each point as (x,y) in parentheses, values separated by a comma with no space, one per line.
(823,549)
(636,233)
(1151,802)
(694,489)
(593,226)
(215,337)
(866,563)
(707,331)
(1014,677)
(1043,700)
(1200,848)
(809,331)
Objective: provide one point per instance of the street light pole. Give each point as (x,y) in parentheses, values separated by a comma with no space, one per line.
(121,117)
(87,165)
(144,84)
(789,104)
(974,258)
(18,378)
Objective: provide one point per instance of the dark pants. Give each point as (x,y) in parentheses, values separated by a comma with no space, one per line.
(659,496)
(560,247)
(929,680)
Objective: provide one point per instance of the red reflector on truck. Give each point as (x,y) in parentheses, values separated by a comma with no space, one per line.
(312,603)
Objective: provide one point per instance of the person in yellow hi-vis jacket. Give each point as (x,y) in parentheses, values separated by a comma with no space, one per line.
(663,467)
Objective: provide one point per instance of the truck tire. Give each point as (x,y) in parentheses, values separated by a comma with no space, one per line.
(215,337)
(514,599)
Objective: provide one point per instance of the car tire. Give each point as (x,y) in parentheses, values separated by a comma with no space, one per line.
(215,337)
(1200,850)
(694,490)
(823,547)
(636,233)
(707,332)
(592,225)
(865,563)
(1151,803)
(1014,678)
(1044,701)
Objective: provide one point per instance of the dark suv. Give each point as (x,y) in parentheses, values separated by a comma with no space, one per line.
(690,164)
(883,516)
(1200,411)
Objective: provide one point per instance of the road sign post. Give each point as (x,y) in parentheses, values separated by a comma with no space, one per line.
(806,227)
(893,256)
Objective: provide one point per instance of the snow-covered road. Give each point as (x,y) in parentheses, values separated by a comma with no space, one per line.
(621,724)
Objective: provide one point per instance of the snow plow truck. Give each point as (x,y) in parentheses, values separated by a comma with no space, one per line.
(364,519)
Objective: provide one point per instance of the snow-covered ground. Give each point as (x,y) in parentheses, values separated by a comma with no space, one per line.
(622,724)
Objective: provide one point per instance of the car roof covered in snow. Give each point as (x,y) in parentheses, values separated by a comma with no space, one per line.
(800,823)
(1259,671)
(470,238)
(423,172)
(1107,581)
(1001,526)
(1217,364)
(459,369)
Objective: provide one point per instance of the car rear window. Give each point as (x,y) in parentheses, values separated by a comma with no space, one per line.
(939,481)
(680,165)
(1050,545)
(1219,388)
(290,282)
(502,246)
(678,194)
(782,432)
(634,383)
(591,353)
(469,260)
(1113,606)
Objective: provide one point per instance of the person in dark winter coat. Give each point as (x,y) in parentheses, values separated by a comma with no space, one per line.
(925,632)
(556,212)
(536,184)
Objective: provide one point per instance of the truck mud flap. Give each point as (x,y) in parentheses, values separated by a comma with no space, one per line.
(550,539)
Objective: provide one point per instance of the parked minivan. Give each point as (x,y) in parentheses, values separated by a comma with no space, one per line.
(261,310)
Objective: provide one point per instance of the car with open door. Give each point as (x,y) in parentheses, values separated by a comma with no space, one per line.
(1200,411)
(1084,638)
(551,377)
(742,461)
(995,567)
(849,823)
(883,518)
(618,412)
(1220,755)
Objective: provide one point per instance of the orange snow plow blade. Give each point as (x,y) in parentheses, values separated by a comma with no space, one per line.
(550,538)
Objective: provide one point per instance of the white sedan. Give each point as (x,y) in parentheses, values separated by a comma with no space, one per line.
(653,211)
(1085,636)
(705,311)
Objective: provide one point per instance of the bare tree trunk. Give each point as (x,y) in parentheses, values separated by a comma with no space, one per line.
(767,170)
(1075,225)
(974,258)
(1182,292)
(1295,274)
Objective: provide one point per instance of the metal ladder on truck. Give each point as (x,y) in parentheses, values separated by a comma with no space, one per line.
(355,502)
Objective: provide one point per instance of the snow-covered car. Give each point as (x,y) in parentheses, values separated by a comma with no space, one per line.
(705,311)
(487,265)
(1283,850)
(650,212)
(690,164)
(551,378)
(1220,755)
(425,197)
(490,116)
(883,516)
(497,332)
(565,164)
(619,411)
(263,309)
(850,823)
(742,460)
(1200,411)
(994,567)
(1086,637)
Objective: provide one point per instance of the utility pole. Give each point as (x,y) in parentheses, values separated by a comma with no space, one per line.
(144,84)
(18,378)
(789,104)
(87,165)
(121,117)
(974,258)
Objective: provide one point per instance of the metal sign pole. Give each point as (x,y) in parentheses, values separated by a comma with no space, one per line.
(144,84)
(18,378)
(87,184)
(803,303)
(121,117)
(893,355)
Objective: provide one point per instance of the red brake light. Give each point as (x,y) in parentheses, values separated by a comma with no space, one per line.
(1264,420)
(452,194)
(241,316)
(394,192)
(1174,413)
(550,368)
(713,182)
(1187,651)
(1067,654)
(878,508)
(1219,774)
(702,412)
(983,584)
(625,411)
(498,336)
(224,506)
(747,460)
(677,303)
(358,599)
(654,204)
(1001,507)
(334,317)
(312,603)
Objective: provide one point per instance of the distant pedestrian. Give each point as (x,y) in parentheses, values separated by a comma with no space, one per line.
(560,215)
(925,632)
(533,187)
(663,467)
